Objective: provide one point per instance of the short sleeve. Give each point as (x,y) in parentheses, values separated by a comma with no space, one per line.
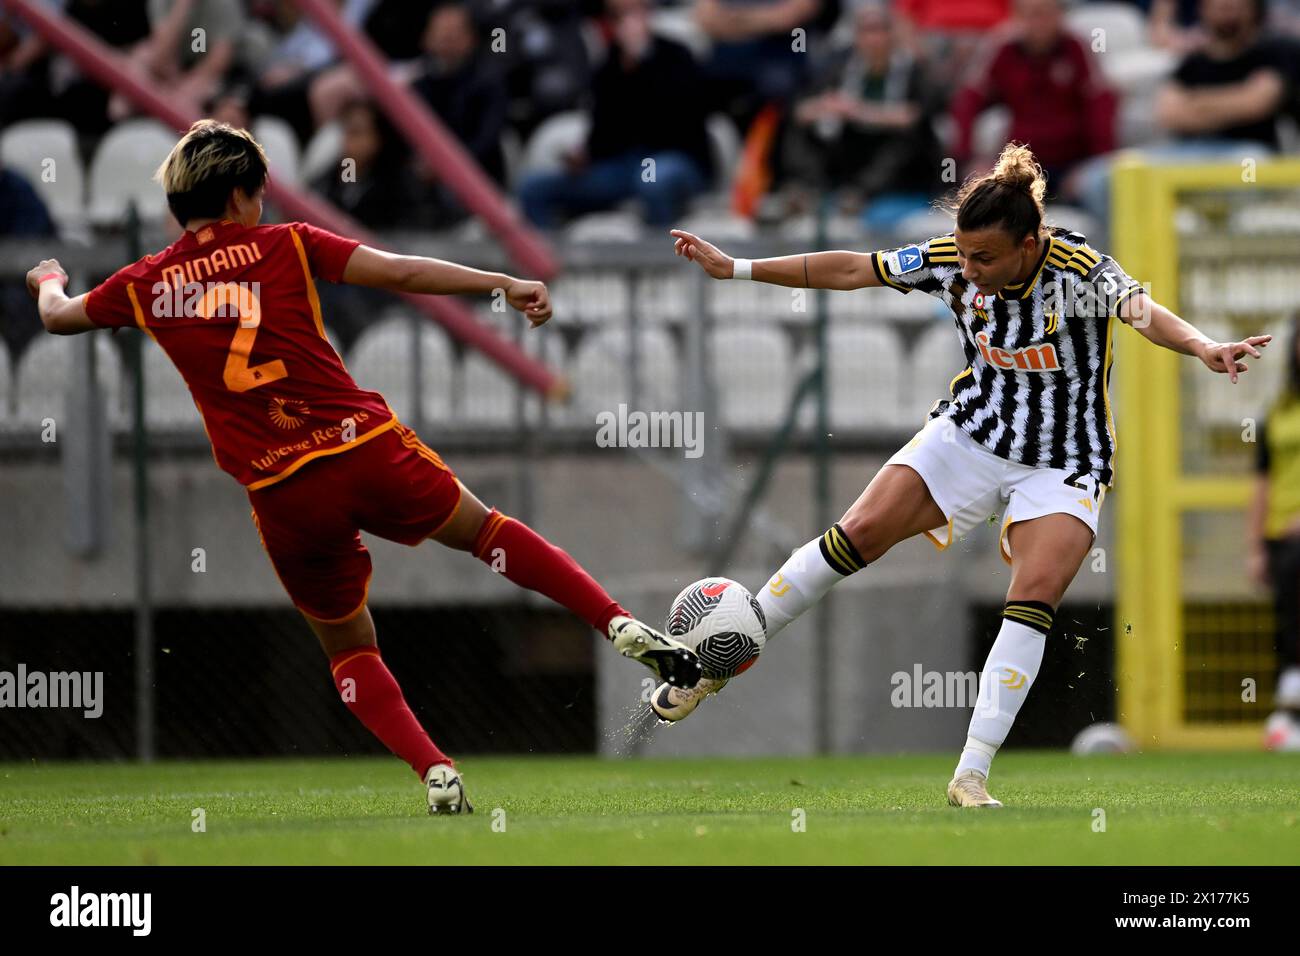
(914,267)
(109,304)
(327,253)
(1262,457)
(1107,287)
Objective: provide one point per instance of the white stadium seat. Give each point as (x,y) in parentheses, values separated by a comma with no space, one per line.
(281,146)
(168,403)
(666,295)
(753,371)
(936,358)
(866,380)
(45,370)
(6,387)
(599,373)
(381,361)
(33,147)
(619,225)
(595,297)
(122,170)
(323,152)
(489,396)
(724,147)
(555,136)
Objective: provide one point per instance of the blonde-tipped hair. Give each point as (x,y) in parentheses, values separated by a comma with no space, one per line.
(208,162)
(1010,195)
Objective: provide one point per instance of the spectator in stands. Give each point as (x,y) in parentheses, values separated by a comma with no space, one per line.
(190,47)
(755,58)
(1060,104)
(462,87)
(22,216)
(647,105)
(868,125)
(1232,89)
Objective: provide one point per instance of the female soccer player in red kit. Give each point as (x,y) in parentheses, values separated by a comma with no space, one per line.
(234,306)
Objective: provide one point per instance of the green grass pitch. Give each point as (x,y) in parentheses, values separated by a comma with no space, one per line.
(1159,809)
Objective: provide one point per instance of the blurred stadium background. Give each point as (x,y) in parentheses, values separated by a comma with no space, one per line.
(777,126)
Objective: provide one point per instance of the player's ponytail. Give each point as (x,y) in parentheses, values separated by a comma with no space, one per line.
(1010,196)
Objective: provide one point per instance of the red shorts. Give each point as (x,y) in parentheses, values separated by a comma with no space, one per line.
(391,485)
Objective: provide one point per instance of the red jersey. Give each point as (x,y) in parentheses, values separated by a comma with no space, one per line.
(236,311)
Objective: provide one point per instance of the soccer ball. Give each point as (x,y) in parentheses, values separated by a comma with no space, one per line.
(721,621)
(1282,732)
(1102,738)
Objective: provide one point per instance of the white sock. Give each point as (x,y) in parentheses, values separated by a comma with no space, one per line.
(806,577)
(1009,672)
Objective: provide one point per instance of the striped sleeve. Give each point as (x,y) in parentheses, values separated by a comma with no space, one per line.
(1108,287)
(914,267)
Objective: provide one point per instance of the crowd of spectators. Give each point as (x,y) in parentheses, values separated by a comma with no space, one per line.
(880,103)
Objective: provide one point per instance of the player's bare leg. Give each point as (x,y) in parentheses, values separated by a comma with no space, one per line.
(1046,554)
(368,689)
(530,561)
(895,506)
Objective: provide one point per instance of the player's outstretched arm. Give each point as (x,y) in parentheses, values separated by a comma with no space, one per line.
(59,314)
(385,270)
(1167,330)
(837,269)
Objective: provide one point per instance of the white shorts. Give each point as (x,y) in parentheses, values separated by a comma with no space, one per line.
(969,484)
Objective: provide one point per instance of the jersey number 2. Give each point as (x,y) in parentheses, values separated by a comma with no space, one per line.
(239,376)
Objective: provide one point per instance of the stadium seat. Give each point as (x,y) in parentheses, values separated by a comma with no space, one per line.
(555,136)
(666,295)
(724,147)
(1076,220)
(281,146)
(729,301)
(323,152)
(752,372)
(122,170)
(936,357)
(990,132)
(168,402)
(6,387)
(601,380)
(28,146)
(866,380)
(620,225)
(381,360)
(1216,406)
(719,226)
(45,371)
(488,395)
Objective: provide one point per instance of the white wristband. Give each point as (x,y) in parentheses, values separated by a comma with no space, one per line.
(742,268)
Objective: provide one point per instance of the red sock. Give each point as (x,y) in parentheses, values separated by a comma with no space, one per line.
(532,562)
(373,696)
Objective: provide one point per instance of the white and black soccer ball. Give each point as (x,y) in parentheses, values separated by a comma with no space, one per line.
(721,621)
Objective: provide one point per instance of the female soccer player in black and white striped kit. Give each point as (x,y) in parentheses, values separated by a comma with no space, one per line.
(1027,431)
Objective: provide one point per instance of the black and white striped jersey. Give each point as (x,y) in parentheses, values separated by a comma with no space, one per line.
(1038,353)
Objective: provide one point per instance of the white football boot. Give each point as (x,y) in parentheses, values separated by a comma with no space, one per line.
(446,790)
(671,660)
(969,789)
(677,703)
